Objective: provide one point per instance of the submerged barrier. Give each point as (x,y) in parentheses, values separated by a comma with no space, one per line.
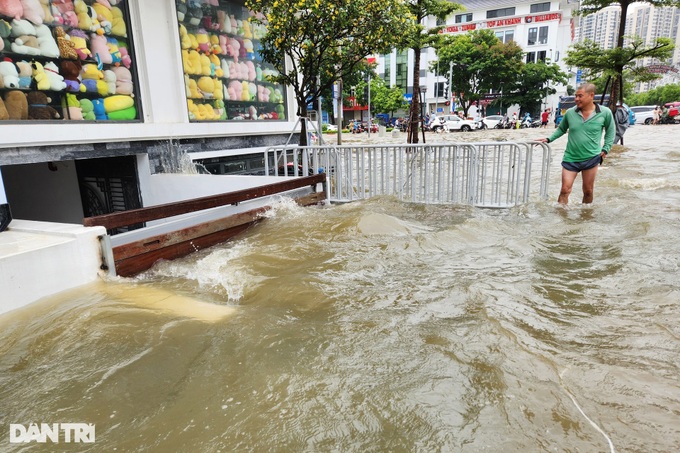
(486,174)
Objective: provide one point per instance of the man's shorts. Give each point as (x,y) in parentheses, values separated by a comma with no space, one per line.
(585,165)
(544,123)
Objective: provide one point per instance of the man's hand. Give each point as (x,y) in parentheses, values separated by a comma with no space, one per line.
(542,140)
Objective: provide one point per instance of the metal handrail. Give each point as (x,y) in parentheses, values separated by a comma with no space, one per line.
(489,174)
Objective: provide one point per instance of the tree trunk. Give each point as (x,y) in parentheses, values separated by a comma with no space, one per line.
(617,83)
(302,114)
(414,114)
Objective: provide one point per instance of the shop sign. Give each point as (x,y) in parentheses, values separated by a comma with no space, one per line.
(503,22)
(458,28)
(543,17)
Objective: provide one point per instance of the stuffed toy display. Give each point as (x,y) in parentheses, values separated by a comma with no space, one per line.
(16,105)
(33,11)
(4,114)
(5,33)
(47,11)
(25,74)
(118,26)
(100,48)
(70,107)
(9,74)
(39,107)
(79,40)
(56,80)
(48,45)
(124,83)
(40,78)
(99,110)
(65,45)
(87,109)
(70,70)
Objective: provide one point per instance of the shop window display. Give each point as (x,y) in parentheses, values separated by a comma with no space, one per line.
(224,75)
(66,60)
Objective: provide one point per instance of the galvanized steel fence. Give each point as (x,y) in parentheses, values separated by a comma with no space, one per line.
(489,174)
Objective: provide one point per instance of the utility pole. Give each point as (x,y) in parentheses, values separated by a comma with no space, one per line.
(450,85)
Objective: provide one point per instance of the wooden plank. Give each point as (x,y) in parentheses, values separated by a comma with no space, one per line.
(134,216)
(150,244)
(311,199)
(134,265)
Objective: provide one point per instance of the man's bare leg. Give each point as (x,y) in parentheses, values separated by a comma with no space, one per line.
(588,177)
(568,178)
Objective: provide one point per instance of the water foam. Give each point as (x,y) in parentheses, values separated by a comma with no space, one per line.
(649,184)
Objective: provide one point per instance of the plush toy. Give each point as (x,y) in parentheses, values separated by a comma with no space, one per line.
(118,26)
(247,32)
(235,88)
(9,74)
(100,48)
(39,107)
(99,110)
(48,46)
(11,8)
(70,107)
(184,40)
(4,114)
(216,66)
(66,47)
(224,65)
(252,74)
(192,108)
(258,73)
(56,80)
(263,93)
(25,74)
(45,5)
(181,8)
(191,88)
(245,94)
(87,108)
(222,20)
(114,51)
(206,87)
(203,41)
(206,65)
(42,82)
(252,91)
(110,81)
(26,45)
(104,16)
(250,50)
(194,13)
(70,69)
(125,58)
(120,107)
(66,11)
(91,77)
(79,40)
(22,27)
(33,11)
(83,14)
(220,111)
(233,49)
(5,33)
(218,92)
(124,84)
(16,105)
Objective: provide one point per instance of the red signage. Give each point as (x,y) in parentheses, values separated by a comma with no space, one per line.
(543,17)
(501,23)
(458,28)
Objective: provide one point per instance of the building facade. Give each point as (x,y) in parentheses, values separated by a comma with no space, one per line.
(544,30)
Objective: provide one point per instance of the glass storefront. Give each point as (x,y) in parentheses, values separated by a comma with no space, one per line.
(67,60)
(224,75)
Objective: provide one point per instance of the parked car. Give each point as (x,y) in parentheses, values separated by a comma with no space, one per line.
(492,120)
(327,127)
(644,114)
(453,123)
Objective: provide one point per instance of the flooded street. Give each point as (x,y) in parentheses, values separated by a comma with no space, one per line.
(383,326)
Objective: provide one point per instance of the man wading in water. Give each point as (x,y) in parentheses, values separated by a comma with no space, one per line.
(584,152)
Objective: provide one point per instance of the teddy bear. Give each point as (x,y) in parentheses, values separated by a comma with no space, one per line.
(118,26)
(250,50)
(48,46)
(66,47)
(87,108)
(33,11)
(42,81)
(70,107)
(79,40)
(11,8)
(181,8)
(10,74)
(252,91)
(70,69)
(56,80)
(263,93)
(234,90)
(4,114)
(100,48)
(16,105)
(39,107)
(5,32)
(124,84)
(252,74)
(25,74)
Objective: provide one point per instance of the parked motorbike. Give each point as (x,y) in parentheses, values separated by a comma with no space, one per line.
(526,122)
(480,124)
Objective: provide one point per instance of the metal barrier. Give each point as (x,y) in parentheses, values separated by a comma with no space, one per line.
(487,174)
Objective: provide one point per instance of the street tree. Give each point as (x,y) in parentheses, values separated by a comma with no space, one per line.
(479,62)
(385,99)
(534,83)
(308,40)
(621,56)
(416,38)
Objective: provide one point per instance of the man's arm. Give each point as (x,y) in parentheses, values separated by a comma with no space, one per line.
(609,132)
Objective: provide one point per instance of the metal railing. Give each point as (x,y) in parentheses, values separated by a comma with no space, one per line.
(488,174)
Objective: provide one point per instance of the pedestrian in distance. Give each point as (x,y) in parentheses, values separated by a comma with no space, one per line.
(545,116)
(585,152)
(622,122)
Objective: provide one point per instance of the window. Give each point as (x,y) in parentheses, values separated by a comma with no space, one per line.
(225,77)
(388,68)
(540,7)
(533,35)
(440,89)
(505,35)
(402,70)
(531,57)
(493,13)
(93,79)
(462,18)
(543,35)
(540,56)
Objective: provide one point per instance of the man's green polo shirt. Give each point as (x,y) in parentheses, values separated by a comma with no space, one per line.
(585,136)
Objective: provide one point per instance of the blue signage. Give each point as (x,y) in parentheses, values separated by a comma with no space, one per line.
(408,97)
(578,76)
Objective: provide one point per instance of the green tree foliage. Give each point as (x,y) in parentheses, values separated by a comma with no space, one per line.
(418,37)
(480,62)
(613,62)
(307,39)
(385,99)
(535,82)
(657,96)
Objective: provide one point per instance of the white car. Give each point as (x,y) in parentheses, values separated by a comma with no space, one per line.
(492,120)
(330,127)
(644,114)
(452,123)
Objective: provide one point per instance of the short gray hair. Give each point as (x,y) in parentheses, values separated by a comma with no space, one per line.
(587,87)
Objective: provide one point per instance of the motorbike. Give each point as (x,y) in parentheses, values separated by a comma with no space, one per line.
(480,124)
(505,123)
